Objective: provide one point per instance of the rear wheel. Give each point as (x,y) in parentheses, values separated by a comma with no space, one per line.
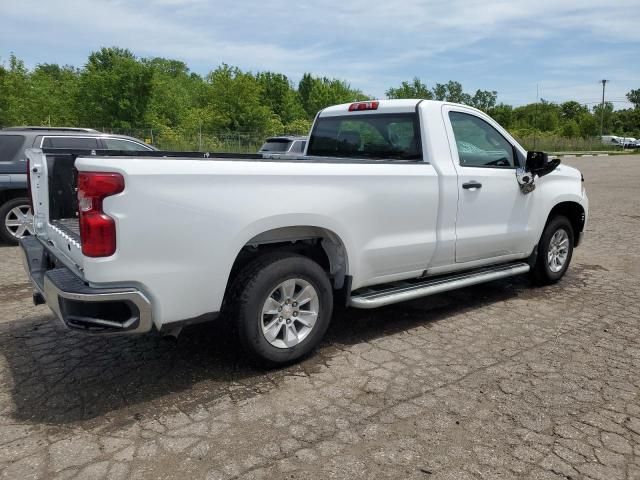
(554,251)
(16,220)
(281,304)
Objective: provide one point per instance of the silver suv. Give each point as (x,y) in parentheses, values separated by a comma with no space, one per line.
(15,213)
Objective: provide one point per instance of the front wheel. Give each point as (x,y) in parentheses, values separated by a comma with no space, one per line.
(281,304)
(554,251)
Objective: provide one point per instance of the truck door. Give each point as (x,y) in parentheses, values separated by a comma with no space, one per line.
(493,218)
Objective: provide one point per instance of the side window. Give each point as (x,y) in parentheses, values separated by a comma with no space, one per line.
(298,147)
(11,147)
(479,144)
(122,144)
(80,143)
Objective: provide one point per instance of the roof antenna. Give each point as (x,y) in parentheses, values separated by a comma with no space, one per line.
(535,118)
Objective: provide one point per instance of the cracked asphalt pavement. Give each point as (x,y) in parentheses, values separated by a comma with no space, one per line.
(496,381)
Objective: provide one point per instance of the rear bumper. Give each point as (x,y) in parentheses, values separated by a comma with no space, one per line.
(78,305)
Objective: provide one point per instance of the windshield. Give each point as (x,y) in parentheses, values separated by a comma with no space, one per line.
(380,136)
(275,145)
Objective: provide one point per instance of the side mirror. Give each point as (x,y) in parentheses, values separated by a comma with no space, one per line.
(538,163)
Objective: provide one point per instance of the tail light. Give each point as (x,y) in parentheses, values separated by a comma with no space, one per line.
(357,107)
(97,229)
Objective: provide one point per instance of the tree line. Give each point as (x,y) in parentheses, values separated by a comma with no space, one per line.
(117,90)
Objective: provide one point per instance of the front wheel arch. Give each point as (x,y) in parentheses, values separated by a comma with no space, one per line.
(574,212)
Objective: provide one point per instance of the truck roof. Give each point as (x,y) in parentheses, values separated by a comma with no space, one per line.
(384,106)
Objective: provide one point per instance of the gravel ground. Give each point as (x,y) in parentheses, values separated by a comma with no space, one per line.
(502,380)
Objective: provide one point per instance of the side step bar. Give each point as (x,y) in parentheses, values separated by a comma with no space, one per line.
(410,291)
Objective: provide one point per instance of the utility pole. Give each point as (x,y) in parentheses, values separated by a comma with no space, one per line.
(604,82)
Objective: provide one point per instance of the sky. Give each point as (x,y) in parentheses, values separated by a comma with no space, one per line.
(562,47)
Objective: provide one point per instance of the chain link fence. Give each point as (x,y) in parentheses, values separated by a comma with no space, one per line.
(166,139)
(554,143)
(250,142)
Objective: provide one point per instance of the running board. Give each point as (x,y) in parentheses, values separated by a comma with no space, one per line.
(409,291)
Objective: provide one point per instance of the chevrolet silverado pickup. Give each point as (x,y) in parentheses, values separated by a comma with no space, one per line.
(392,200)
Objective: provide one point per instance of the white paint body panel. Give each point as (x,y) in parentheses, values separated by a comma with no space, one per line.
(182,222)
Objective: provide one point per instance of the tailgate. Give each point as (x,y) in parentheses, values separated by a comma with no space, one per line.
(53,180)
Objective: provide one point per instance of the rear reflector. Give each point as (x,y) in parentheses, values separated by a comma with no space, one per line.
(357,107)
(97,229)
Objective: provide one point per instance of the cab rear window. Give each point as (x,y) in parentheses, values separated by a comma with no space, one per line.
(379,136)
(10,146)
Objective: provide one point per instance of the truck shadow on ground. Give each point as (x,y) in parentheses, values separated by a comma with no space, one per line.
(61,377)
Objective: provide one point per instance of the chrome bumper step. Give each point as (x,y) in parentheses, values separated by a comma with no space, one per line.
(403,291)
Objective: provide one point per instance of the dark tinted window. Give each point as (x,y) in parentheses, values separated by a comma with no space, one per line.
(479,144)
(70,142)
(121,144)
(275,146)
(384,136)
(10,146)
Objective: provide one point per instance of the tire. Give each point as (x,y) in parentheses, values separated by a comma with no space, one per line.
(551,264)
(12,223)
(261,287)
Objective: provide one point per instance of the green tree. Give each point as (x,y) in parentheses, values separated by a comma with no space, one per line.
(16,98)
(627,122)
(319,93)
(304,91)
(503,114)
(588,126)
(54,89)
(451,92)
(572,110)
(174,93)
(543,116)
(235,99)
(301,126)
(484,100)
(634,97)
(114,89)
(570,129)
(413,89)
(607,119)
(4,100)
(278,94)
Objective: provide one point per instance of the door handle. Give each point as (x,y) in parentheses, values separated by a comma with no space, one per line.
(472,184)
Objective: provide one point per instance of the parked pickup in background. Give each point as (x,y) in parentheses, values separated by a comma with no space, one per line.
(15,213)
(395,200)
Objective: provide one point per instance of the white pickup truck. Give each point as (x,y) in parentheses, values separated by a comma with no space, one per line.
(393,200)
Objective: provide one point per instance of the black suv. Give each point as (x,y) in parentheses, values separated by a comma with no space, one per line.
(15,213)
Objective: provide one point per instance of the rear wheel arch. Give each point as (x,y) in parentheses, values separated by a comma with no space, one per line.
(319,244)
(10,194)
